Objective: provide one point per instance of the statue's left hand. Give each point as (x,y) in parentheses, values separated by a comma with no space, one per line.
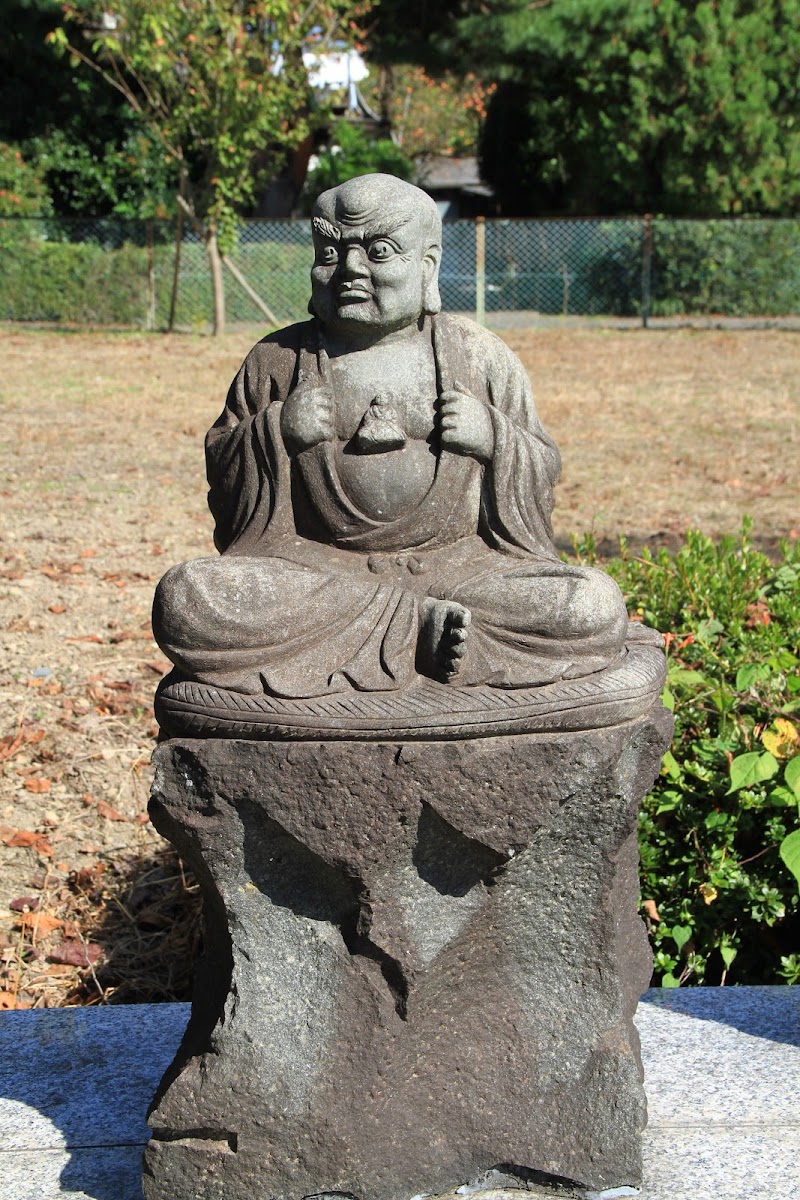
(465,426)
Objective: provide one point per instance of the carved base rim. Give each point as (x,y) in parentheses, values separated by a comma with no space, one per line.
(429,711)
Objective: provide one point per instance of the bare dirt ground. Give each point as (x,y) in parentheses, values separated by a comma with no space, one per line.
(101,489)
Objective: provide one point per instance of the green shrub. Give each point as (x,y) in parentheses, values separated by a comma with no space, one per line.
(22,189)
(740,268)
(744,268)
(81,283)
(721,827)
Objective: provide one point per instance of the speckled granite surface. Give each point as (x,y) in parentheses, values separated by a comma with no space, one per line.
(722,1076)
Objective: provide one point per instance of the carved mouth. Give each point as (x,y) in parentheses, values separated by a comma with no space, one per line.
(346,295)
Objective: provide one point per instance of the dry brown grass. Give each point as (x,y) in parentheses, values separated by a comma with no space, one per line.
(101,481)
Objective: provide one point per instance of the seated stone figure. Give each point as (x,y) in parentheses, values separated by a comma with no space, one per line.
(382,490)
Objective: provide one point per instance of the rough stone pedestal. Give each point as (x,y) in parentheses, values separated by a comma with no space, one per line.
(422,963)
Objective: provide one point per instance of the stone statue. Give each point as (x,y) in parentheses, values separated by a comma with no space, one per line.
(408,746)
(382,490)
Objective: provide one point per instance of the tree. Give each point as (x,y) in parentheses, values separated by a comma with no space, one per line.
(219,85)
(429,114)
(352,153)
(79,134)
(633,105)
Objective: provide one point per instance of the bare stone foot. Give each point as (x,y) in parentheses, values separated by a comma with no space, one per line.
(443,638)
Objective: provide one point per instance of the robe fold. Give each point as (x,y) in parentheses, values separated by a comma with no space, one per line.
(312,596)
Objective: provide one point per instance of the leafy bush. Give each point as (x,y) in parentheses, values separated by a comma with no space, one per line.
(740,268)
(720,832)
(352,153)
(22,190)
(76,282)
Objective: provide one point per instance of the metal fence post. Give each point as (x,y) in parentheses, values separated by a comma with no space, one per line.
(647,266)
(480,270)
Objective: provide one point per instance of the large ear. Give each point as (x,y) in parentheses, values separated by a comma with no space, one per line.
(431,300)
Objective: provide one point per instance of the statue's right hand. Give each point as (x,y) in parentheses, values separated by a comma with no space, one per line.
(307,418)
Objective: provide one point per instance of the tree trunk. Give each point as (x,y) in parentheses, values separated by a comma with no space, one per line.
(217,281)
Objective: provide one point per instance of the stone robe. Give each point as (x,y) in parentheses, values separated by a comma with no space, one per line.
(312,596)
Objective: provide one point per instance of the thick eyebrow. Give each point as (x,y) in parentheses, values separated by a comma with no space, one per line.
(325,229)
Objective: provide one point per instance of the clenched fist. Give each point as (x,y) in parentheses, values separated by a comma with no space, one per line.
(307,417)
(465,426)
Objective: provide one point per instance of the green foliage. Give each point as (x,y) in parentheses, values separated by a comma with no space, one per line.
(80,283)
(740,268)
(746,267)
(22,189)
(618,106)
(46,277)
(720,832)
(75,130)
(219,85)
(125,177)
(351,153)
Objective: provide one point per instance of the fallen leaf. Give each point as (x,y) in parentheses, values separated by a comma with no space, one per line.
(28,838)
(57,608)
(87,637)
(75,953)
(39,922)
(11,744)
(37,785)
(110,814)
(159,667)
(87,876)
(650,908)
(8,1000)
(88,553)
(31,903)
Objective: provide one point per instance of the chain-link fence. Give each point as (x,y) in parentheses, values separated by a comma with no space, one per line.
(137,274)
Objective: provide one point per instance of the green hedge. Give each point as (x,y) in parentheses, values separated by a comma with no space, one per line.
(721,827)
(748,267)
(739,268)
(72,282)
(100,284)
(742,268)
(278,271)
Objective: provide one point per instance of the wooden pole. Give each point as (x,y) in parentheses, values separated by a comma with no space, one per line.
(251,292)
(480,270)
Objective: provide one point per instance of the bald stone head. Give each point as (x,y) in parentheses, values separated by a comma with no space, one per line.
(377,245)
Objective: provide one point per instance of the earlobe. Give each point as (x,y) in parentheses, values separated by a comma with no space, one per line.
(431,300)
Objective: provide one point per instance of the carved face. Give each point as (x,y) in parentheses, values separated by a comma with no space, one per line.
(375,257)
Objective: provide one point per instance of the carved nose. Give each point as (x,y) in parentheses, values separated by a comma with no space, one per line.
(355,263)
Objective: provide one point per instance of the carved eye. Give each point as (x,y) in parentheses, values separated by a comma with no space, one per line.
(380,250)
(328,255)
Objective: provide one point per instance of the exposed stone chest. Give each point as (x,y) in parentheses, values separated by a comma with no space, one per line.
(408,745)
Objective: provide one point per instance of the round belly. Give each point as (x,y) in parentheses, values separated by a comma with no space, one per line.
(386,486)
